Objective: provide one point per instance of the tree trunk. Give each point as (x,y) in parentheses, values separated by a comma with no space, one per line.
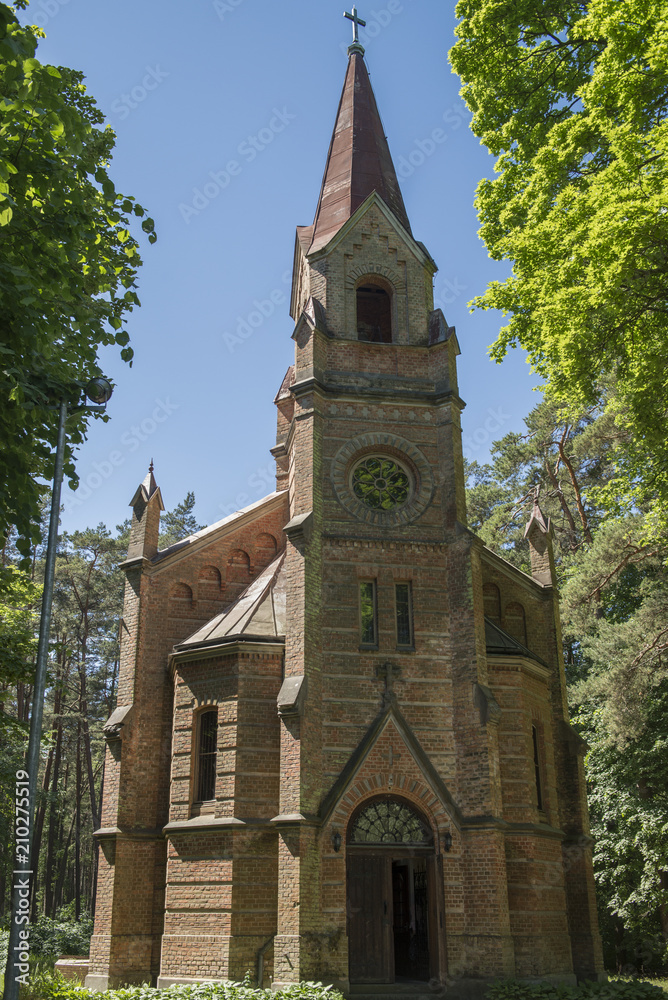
(37,833)
(49,872)
(663,908)
(578,496)
(77,831)
(58,894)
(562,500)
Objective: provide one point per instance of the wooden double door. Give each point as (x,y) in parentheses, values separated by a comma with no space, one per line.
(390,916)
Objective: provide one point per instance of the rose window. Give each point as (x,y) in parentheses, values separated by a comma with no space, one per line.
(381,484)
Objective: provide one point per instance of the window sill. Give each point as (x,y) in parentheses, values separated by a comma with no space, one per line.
(368,647)
(207,808)
(405,649)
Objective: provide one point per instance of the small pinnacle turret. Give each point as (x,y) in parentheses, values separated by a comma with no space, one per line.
(538,533)
(146,508)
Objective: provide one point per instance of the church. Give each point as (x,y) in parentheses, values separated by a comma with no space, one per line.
(341,750)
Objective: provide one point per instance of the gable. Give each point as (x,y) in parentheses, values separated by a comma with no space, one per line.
(362,764)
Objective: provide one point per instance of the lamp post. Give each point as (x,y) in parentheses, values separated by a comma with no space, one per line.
(99,391)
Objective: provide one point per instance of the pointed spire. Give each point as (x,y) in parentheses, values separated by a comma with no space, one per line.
(146,507)
(359,159)
(146,488)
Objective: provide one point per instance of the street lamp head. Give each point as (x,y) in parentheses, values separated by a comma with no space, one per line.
(99,390)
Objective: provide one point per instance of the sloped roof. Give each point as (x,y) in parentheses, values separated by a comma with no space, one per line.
(359,159)
(257,614)
(146,489)
(226,524)
(499,641)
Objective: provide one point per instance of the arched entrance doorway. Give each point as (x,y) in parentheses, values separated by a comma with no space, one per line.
(390,893)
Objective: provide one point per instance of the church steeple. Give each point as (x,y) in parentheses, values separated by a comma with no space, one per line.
(359,159)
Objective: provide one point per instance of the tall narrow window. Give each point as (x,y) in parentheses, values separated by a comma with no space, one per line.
(536,764)
(404,606)
(374,314)
(368,613)
(206,758)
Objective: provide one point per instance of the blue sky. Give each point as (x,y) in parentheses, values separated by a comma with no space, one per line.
(190,90)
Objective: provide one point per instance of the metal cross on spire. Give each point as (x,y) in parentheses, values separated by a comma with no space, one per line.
(356,22)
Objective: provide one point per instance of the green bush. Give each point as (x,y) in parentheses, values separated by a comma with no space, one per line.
(632,989)
(52,986)
(51,938)
(4,939)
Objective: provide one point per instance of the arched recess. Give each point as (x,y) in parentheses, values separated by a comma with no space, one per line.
(265,549)
(238,574)
(391,893)
(209,583)
(374,309)
(492,601)
(180,600)
(515,621)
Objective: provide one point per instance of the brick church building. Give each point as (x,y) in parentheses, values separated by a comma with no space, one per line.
(341,750)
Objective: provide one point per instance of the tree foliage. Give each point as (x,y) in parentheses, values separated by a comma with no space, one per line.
(572,98)
(614,608)
(68,263)
(179,523)
(81,693)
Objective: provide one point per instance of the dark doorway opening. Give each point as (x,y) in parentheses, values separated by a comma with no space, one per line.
(374,314)
(391,891)
(410,919)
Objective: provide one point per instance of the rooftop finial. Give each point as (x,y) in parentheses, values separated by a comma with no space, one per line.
(356,46)
(150,468)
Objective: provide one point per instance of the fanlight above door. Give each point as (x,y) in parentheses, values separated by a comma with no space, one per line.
(389,821)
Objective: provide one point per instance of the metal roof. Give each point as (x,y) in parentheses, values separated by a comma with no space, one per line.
(358,161)
(257,614)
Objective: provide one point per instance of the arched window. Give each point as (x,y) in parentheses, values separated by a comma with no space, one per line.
(180,600)
(265,548)
(374,312)
(536,765)
(209,583)
(389,821)
(207,746)
(515,621)
(492,601)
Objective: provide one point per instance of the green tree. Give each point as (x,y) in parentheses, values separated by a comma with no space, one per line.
(565,456)
(18,597)
(614,607)
(572,97)
(179,523)
(68,263)
(628,803)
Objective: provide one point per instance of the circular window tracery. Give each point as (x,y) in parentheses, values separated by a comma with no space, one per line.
(368,500)
(390,821)
(381,483)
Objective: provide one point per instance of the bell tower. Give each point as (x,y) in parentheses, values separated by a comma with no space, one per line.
(384,629)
